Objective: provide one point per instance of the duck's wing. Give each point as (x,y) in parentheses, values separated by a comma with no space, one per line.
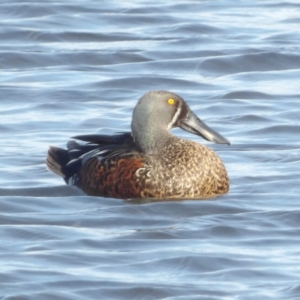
(98,142)
(68,162)
(102,139)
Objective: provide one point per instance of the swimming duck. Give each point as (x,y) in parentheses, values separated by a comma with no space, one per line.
(149,161)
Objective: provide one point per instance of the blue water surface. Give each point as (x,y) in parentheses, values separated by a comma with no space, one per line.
(79,67)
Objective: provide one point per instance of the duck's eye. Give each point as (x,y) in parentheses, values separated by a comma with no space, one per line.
(171,101)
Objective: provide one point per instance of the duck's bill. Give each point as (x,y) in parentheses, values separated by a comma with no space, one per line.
(194,125)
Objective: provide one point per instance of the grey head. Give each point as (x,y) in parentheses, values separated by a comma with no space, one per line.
(157,112)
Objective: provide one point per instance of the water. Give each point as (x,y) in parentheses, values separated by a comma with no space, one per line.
(78,67)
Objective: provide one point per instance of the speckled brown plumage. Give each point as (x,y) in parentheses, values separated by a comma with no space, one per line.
(187,170)
(160,166)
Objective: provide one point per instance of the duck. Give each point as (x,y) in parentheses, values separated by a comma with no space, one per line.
(149,161)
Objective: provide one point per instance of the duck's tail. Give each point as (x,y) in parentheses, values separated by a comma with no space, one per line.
(56,161)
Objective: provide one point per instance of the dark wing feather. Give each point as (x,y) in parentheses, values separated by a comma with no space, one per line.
(67,163)
(119,138)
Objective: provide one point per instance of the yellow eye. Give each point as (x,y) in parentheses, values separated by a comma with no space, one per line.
(171,101)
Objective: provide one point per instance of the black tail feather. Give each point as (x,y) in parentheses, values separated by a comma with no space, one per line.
(56,161)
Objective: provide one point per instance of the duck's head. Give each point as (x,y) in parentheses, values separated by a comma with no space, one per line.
(157,112)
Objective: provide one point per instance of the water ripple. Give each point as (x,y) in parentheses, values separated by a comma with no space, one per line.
(76,68)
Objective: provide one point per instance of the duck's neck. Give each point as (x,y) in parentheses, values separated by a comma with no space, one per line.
(151,139)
